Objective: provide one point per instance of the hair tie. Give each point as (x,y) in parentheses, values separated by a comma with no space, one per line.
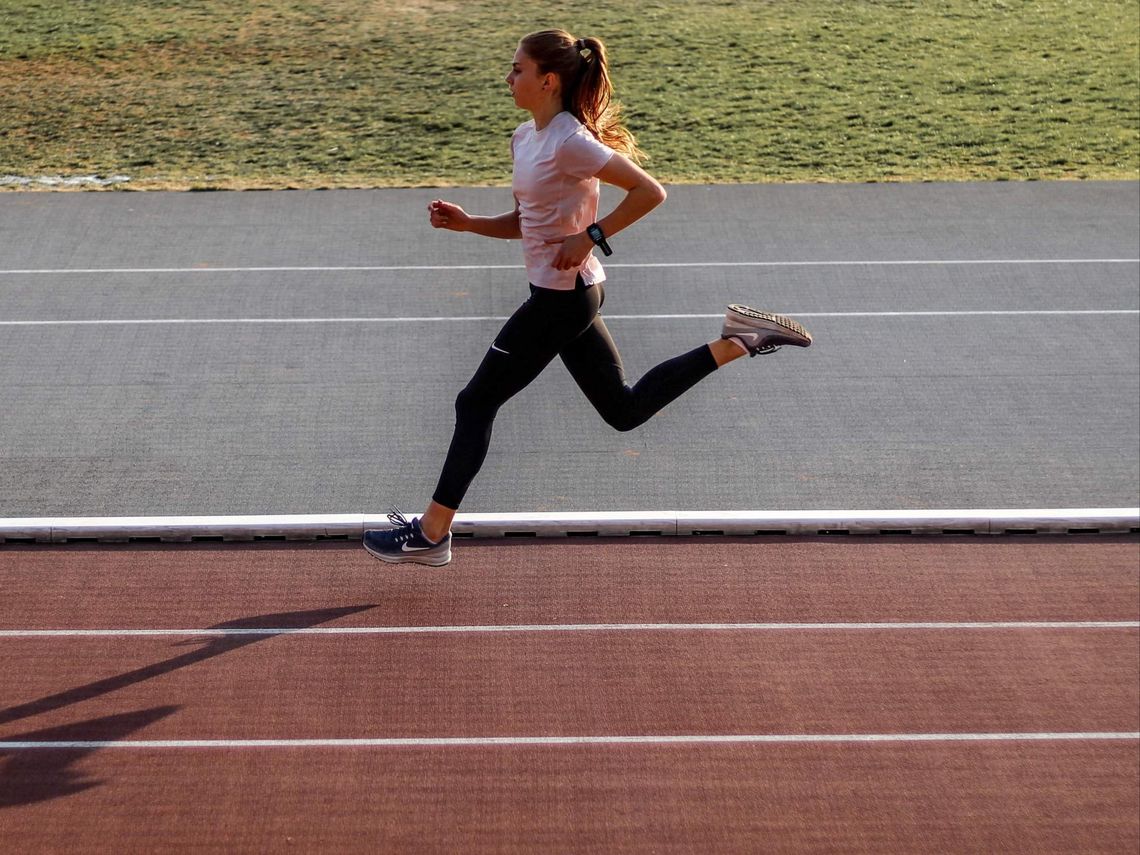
(583,51)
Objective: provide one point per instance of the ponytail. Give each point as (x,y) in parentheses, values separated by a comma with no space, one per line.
(582,67)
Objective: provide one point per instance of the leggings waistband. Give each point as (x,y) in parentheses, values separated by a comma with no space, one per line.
(579,285)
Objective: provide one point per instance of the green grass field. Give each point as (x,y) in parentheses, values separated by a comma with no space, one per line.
(283,93)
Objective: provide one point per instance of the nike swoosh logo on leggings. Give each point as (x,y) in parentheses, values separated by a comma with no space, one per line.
(500,350)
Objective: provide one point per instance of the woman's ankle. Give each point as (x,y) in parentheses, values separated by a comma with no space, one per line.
(726,350)
(436,522)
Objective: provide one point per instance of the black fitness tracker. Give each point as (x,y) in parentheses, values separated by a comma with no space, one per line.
(599,237)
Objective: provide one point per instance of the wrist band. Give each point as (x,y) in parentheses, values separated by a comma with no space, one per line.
(598,237)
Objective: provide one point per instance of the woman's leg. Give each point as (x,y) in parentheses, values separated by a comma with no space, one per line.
(595,364)
(499,377)
(524,347)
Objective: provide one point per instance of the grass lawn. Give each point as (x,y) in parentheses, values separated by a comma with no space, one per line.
(371,93)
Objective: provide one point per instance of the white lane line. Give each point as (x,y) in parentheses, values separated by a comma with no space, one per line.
(573,627)
(491,741)
(501,318)
(659,264)
(914,314)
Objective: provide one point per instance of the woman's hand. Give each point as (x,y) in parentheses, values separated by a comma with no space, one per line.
(573,252)
(445,215)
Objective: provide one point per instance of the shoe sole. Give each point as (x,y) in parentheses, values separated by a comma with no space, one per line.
(781,321)
(410,559)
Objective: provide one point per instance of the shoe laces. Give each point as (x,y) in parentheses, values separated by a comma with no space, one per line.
(403,530)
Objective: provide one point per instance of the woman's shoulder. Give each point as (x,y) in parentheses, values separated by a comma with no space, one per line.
(571,131)
(566,125)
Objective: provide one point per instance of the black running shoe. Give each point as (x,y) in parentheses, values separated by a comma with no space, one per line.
(761,332)
(406,542)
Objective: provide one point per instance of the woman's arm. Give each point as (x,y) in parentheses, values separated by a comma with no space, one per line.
(446,215)
(643,193)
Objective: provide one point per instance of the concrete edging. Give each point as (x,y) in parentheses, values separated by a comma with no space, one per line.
(618,523)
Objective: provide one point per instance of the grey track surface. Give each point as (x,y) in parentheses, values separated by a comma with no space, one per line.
(910,411)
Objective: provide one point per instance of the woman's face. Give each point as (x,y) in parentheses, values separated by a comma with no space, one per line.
(526,83)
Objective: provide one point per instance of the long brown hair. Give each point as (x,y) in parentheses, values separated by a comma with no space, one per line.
(587,91)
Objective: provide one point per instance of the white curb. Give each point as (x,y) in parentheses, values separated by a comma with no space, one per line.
(621,523)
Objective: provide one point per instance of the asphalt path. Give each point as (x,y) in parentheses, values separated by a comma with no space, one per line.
(977,346)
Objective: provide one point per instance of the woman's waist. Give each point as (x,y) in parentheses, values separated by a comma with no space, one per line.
(539,235)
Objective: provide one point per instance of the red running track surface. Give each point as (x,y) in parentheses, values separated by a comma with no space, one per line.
(108,693)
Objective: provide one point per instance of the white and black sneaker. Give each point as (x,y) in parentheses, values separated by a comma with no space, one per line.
(762,332)
(406,542)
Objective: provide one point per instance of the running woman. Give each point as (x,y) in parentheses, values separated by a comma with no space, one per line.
(574,140)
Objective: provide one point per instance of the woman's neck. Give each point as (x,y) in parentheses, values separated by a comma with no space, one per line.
(545,114)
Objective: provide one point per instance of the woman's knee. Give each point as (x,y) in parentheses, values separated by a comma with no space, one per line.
(623,419)
(624,425)
(470,404)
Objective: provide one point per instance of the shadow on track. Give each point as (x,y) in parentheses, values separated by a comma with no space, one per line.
(214,646)
(28,776)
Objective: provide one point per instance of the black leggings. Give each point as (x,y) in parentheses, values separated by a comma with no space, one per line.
(567,324)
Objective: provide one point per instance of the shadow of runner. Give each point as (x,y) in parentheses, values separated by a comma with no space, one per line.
(214,646)
(30,775)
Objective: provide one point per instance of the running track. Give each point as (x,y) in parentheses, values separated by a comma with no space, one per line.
(976,346)
(671,695)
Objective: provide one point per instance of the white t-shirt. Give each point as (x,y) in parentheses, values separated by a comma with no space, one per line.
(557,195)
